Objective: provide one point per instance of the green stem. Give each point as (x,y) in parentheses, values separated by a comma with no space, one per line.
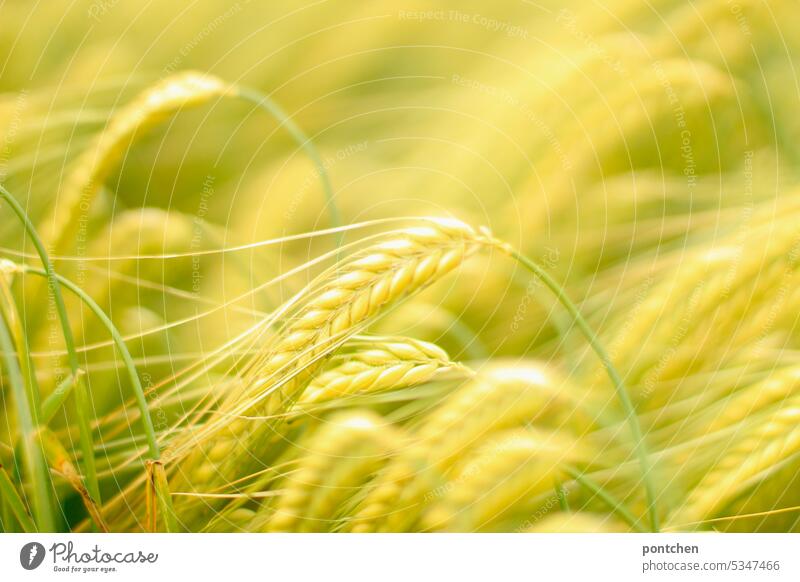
(272,108)
(34,460)
(133,375)
(82,403)
(616,505)
(127,359)
(640,448)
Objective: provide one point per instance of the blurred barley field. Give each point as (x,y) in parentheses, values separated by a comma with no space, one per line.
(393,266)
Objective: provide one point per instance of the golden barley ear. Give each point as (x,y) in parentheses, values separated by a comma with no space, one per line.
(151,107)
(320,319)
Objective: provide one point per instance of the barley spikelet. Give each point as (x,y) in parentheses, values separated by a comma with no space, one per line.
(377,366)
(748,314)
(351,295)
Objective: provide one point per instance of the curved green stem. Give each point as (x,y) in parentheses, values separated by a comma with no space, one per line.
(640,448)
(127,359)
(130,366)
(606,497)
(268,105)
(82,403)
